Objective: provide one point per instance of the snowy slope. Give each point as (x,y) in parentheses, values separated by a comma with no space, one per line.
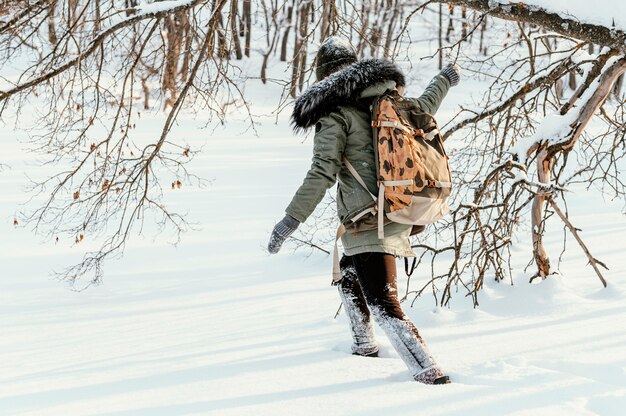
(217,326)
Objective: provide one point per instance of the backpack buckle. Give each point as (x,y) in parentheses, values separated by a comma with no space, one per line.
(376,124)
(431,183)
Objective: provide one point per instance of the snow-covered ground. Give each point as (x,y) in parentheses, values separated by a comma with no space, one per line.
(217,326)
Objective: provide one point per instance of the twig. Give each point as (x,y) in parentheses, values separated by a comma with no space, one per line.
(338,310)
(592,260)
(308,243)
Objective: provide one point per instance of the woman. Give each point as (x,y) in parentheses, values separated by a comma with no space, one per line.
(338,106)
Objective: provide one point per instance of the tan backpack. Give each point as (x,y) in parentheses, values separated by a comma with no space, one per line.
(414,180)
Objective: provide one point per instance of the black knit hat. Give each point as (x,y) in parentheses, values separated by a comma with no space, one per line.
(334,53)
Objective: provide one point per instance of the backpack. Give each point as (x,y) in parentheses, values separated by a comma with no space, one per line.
(414,180)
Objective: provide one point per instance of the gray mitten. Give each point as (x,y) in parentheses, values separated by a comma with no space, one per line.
(453,73)
(282,230)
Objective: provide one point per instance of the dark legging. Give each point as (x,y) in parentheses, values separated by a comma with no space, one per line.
(368,285)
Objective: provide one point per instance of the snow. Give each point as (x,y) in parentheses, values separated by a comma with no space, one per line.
(216,326)
(552,129)
(555,127)
(609,13)
(146,7)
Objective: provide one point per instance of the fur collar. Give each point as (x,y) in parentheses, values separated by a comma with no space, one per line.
(341,88)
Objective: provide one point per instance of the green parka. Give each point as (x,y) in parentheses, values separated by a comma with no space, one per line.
(343,129)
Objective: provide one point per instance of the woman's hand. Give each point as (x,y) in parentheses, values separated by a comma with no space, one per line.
(453,73)
(282,230)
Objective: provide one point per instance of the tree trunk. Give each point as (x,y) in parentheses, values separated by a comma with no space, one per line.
(271,41)
(483,28)
(377,28)
(247,19)
(71,12)
(188,37)
(464,23)
(450,24)
(327,16)
(234,11)
(223,51)
(544,165)
(572,81)
(295,63)
(287,29)
(130,4)
(440,36)
(304,28)
(365,19)
(302,52)
(546,155)
(52,34)
(174,27)
(97,24)
(395,12)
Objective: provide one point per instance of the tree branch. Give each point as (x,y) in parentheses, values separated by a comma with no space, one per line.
(94,45)
(526,13)
(592,260)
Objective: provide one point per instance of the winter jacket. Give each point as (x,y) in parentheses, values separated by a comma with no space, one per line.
(338,107)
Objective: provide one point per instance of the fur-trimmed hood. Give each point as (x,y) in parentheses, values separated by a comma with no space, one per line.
(341,88)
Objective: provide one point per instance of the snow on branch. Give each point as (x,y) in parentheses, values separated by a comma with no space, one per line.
(559,22)
(559,131)
(146,8)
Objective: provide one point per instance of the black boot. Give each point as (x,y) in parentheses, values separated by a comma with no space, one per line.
(442,380)
(372,354)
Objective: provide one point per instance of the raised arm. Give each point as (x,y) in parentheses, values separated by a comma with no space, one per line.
(435,92)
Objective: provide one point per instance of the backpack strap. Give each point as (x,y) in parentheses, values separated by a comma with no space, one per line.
(431,135)
(381,211)
(380,201)
(394,124)
(357,177)
(439,184)
(336,269)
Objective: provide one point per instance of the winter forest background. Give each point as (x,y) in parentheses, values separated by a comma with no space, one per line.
(146,147)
